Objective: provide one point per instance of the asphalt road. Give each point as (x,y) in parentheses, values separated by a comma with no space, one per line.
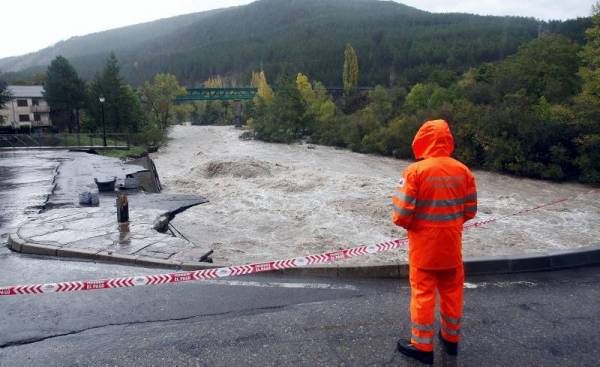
(26,180)
(539,319)
(543,319)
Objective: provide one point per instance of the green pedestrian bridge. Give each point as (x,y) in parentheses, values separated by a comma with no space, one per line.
(217,94)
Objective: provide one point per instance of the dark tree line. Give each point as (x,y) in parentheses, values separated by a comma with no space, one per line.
(395,44)
(67,94)
(533,114)
(108,103)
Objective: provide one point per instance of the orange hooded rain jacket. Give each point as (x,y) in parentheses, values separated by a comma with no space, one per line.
(434,197)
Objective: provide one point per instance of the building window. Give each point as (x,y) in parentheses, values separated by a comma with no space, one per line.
(23,118)
(22,103)
(35,102)
(37,116)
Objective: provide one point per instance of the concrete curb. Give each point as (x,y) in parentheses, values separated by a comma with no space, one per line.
(99,147)
(17,244)
(547,261)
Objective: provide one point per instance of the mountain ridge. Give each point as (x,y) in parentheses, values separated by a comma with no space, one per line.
(392,40)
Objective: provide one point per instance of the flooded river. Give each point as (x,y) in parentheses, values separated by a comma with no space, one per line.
(271,201)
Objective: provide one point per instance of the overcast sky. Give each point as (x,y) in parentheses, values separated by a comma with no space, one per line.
(34,24)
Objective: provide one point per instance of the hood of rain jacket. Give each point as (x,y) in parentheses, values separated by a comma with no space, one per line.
(433,139)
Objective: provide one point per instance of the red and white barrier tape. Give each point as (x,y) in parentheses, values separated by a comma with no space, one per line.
(488,221)
(205,274)
(231,271)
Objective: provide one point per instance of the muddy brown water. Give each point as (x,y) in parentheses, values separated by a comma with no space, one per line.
(270,201)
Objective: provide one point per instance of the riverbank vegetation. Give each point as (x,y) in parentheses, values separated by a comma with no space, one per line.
(533,114)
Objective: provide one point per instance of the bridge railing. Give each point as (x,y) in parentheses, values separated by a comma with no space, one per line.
(66,140)
(217,94)
(242,93)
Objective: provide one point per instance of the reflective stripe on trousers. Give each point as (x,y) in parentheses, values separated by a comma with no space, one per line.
(424,283)
(422,327)
(450,327)
(419,340)
(450,331)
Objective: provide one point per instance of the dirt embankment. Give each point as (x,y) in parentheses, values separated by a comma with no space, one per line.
(273,201)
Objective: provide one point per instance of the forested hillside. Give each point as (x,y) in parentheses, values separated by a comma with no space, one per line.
(534,113)
(395,44)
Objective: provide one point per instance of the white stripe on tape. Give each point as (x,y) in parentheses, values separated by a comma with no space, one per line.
(228,271)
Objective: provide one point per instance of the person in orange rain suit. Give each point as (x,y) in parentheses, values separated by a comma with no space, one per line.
(434,197)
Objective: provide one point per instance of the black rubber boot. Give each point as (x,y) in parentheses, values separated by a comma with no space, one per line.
(409,350)
(450,347)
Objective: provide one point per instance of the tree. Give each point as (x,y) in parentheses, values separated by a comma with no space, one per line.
(4,95)
(122,109)
(259,81)
(588,104)
(214,82)
(546,66)
(427,96)
(350,73)
(380,101)
(64,90)
(305,88)
(258,107)
(158,98)
(195,112)
(589,98)
(282,120)
(319,108)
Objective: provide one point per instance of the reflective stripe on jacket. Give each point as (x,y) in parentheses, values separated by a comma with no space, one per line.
(434,197)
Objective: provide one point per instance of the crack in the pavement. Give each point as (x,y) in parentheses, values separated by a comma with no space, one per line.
(247,312)
(129,323)
(44,206)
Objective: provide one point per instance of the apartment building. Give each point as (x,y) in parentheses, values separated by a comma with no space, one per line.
(26,108)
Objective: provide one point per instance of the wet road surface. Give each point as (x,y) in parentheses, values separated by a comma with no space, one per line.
(26,180)
(542,319)
(30,180)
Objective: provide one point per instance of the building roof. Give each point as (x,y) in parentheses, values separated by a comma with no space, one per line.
(31,91)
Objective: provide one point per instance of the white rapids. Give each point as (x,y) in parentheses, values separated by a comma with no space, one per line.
(277,201)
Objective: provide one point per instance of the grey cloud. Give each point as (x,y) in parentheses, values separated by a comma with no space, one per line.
(541,9)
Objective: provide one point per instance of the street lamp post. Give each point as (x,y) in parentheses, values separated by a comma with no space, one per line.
(103,123)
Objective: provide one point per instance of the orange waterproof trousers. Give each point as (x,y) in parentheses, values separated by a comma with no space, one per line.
(449,283)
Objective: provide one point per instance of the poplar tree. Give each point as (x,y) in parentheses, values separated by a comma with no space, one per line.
(214,82)
(259,81)
(350,69)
